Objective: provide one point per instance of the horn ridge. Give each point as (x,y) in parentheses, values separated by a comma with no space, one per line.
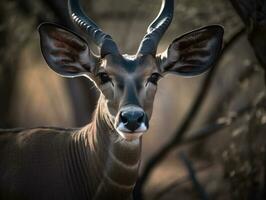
(157,29)
(103,40)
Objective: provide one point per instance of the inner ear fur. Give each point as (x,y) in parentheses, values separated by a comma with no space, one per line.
(65,52)
(193,53)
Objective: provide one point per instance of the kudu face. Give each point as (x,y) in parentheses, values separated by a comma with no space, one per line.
(128,83)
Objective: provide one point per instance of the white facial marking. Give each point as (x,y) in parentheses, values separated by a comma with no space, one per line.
(128,135)
(121,128)
(142,128)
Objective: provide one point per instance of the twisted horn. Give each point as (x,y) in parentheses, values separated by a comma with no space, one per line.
(103,40)
(157,29)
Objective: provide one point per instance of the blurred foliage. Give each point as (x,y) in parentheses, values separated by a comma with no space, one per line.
(14,34)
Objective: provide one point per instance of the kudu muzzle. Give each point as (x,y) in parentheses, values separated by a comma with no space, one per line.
(132,119)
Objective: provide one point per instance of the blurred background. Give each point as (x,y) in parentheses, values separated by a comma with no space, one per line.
(207,137)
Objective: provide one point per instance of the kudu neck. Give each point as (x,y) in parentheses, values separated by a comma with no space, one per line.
(114,161)
(102,120)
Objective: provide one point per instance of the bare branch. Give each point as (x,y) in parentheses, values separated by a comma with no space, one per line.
(203,133)
(214,128)
(193,177)
(253,14)
(178,182)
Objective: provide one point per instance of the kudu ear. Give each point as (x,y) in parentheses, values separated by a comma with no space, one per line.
(65,52)
(194,52)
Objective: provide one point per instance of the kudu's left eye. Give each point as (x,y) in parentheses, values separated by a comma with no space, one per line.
(154,78)
(104,77)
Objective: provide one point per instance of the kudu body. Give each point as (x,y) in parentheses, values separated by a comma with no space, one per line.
(100,160)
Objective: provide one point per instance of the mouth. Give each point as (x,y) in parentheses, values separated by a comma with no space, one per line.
(131,135)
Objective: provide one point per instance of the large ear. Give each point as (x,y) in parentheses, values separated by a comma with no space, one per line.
(194,52)
(65,52)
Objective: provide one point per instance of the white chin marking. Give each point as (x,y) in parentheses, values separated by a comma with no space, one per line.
(142,128)
(128,135)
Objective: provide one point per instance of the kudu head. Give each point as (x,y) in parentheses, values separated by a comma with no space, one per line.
(128,83)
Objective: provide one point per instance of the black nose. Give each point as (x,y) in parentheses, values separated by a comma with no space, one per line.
(132,119)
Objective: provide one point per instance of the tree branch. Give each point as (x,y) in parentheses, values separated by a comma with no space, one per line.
(193,177)
(177,183)
(214,128)
(203,133)
(253,14)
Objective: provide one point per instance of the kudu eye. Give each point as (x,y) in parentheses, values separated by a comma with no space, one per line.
(104,77)
(154,78)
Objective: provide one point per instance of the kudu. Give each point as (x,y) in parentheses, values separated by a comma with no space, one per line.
(100,160)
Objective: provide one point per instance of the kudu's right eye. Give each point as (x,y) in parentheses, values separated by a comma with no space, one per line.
(154,78)
(104,77)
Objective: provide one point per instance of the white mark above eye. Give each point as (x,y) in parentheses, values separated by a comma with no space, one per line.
(149,84)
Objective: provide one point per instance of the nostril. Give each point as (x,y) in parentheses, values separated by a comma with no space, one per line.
(132,120)
(123,118)
(140,119)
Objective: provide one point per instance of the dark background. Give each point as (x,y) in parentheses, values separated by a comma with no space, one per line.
(207,136)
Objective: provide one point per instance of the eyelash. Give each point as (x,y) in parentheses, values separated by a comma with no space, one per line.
(104,77)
